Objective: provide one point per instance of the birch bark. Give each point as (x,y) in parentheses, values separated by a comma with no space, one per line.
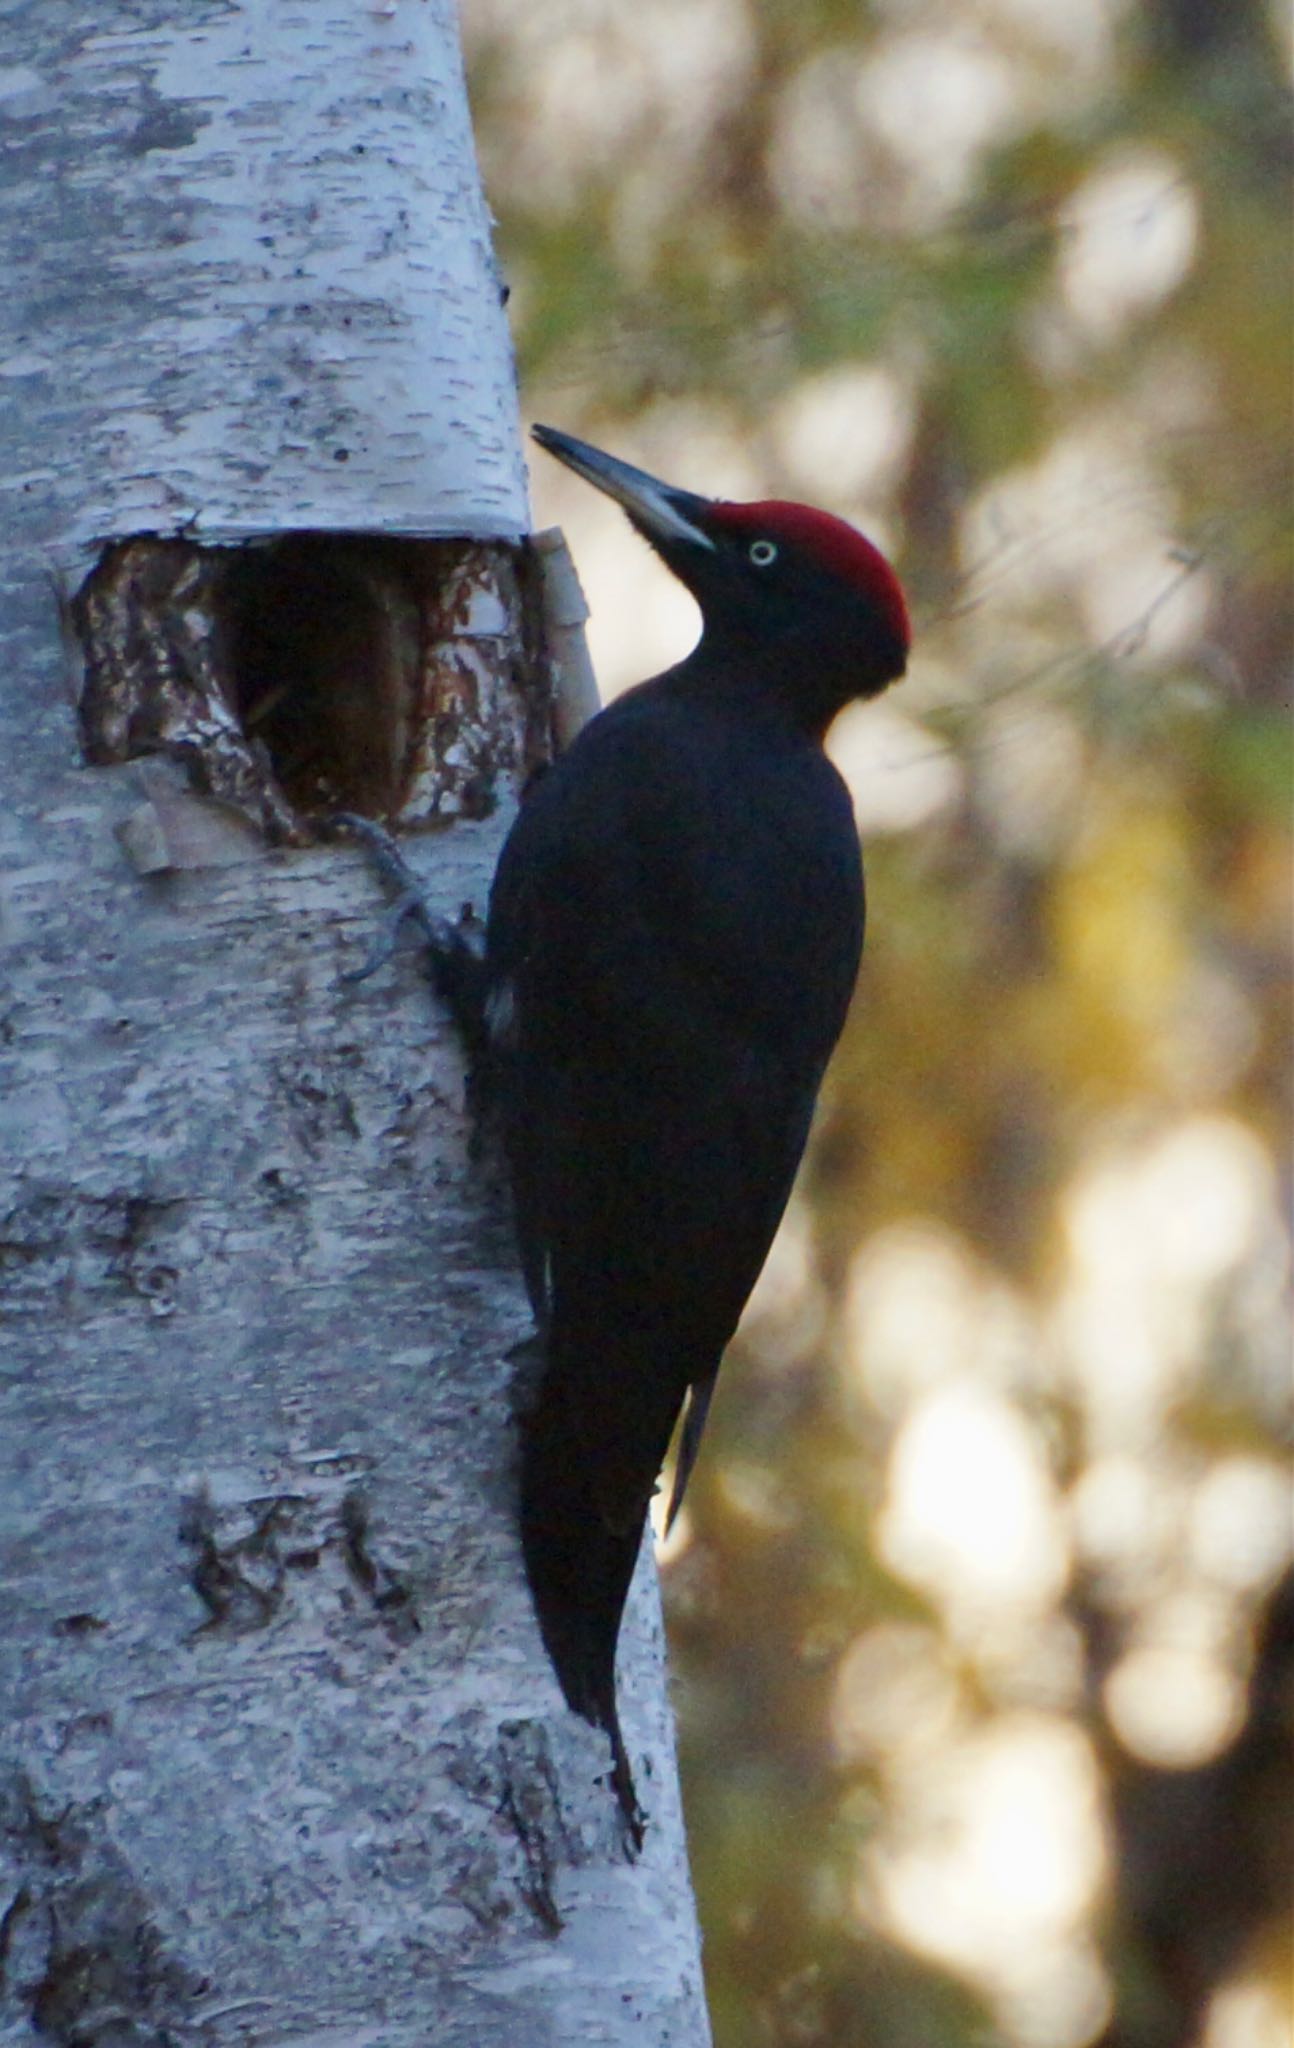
(280,1755)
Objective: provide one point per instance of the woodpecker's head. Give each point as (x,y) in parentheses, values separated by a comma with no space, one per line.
(791,591)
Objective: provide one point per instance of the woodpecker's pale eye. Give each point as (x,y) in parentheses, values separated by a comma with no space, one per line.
(762,552)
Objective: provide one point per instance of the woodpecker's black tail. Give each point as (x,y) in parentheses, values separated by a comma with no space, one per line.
(579,1571)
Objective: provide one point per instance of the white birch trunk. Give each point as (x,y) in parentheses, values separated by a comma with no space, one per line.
(281,1758)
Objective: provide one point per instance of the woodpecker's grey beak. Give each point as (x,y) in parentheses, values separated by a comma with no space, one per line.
(658,511)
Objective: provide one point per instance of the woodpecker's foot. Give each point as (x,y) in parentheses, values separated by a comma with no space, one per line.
(410,906)
(455,953)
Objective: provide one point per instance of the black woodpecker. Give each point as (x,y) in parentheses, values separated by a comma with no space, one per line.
(674,933)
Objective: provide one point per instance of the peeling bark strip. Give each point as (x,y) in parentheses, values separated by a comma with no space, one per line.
(397,678)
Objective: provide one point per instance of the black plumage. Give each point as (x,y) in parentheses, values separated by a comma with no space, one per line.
(673,938)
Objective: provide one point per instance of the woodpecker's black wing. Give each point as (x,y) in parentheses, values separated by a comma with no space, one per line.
(674,935)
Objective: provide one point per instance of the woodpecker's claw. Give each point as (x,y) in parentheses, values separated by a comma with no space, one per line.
(390,861)
(411,905)
(455,950)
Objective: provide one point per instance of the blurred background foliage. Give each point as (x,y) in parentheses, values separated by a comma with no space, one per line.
(981,1614)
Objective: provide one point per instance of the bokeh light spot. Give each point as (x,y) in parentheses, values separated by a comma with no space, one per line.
(970,1510)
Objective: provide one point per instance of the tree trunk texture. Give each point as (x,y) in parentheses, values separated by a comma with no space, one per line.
(281,1759)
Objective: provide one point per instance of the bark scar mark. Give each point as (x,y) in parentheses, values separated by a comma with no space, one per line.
(530,1802)
(240,1580)
(251,1561)
(108,1243)
(390,1594)
(80,1953)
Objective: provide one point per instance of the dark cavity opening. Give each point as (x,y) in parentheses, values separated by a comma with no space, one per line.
(323,654)
(316,673)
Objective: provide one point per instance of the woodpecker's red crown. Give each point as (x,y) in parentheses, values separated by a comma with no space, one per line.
(837,546)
